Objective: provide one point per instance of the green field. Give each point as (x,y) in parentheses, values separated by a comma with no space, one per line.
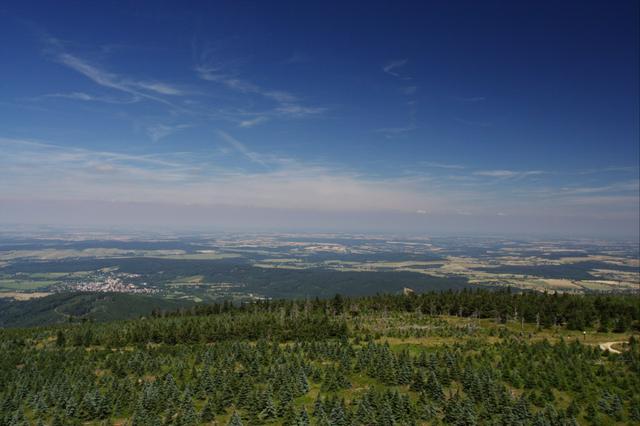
(13,284)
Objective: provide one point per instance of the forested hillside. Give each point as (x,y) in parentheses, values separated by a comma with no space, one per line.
(69,307)
(459,358)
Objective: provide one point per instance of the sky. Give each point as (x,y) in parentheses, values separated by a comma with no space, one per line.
(418,117)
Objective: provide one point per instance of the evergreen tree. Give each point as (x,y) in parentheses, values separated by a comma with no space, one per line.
(61,339)
(208,412)
(269,411)
(235,420)
(303,418)
(318,406)
(338,416)
(289,417)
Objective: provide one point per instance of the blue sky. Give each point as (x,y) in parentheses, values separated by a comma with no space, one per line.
(433,116)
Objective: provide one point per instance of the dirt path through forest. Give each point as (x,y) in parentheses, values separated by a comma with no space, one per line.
(606,346)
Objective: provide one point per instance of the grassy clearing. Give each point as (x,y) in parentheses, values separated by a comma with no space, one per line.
(193,279)
(399,331)
(15,284)
(22,296)
(47,275)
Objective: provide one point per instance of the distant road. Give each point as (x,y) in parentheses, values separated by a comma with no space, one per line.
(606,346)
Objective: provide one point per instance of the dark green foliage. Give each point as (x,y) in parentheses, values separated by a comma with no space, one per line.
(208,412)
(258,363)
(64,307)
(235,419)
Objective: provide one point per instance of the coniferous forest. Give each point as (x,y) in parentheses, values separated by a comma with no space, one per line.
(460,358)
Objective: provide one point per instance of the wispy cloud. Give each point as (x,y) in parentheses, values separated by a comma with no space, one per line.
(253,121)
(215,74)
(609,169)
(160,131)
(294,110)
(41,151)
(241,148)
(268,161)
(409,90)
(287,104)
(141,89)
(34,170)
(158,87)
(82,96)
(508,174)
(392,67)
(73,173)
(625,186)
(443,165)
